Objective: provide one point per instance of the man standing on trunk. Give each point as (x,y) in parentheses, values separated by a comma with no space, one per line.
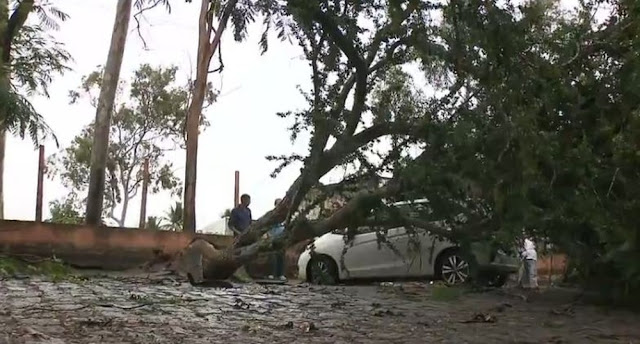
(240,218)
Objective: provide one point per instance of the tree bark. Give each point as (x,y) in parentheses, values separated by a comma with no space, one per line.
(206,49)
(106,99)
(3,141)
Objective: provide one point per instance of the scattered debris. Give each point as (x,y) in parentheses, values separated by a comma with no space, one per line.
(502,307)
(423,323)
(110,310)
(96,322)
(556,340)
(553,323)
(382,312)
(285,326)
(240,304)
(179,330)
(338,304)
(308,326)
(565,310)
(481,318)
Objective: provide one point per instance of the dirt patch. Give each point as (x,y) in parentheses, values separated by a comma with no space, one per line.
(164,310)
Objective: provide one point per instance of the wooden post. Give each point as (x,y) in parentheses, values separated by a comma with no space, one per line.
(39,191)
(145,187)
(236,190)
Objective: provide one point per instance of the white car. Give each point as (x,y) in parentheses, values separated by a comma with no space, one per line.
(403,257)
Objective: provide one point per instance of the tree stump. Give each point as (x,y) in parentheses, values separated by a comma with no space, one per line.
(204,261)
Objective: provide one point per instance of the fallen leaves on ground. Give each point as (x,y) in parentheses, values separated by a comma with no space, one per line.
(481,318)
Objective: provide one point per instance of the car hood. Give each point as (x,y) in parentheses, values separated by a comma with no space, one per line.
(326,241)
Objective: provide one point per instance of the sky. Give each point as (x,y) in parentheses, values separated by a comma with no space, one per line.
(244,126)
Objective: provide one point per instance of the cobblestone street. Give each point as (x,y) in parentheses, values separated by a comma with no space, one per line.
(134,310)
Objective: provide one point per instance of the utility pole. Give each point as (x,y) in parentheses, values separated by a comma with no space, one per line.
(236,190)
(145,187)
(40,187)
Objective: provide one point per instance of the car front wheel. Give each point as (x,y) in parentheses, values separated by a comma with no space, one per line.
(323,270)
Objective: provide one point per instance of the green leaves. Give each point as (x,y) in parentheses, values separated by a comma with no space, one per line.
(29,67)
(21,118)
(529,118)
(148,121)
(36,58)
(67,211)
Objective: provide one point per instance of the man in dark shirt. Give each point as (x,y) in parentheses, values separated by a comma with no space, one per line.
(240,218)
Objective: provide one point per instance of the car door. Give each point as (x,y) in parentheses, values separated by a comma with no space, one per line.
(416,247)
(366,258)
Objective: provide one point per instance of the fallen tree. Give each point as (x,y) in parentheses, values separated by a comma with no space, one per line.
(527,123)
(366,73)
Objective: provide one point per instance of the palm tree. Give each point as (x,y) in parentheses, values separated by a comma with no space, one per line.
(28,61)
(173,218)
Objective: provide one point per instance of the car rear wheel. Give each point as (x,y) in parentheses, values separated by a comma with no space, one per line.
(323,270)
(454,268)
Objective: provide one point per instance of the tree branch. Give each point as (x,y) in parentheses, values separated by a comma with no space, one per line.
(222,24)
(356,60)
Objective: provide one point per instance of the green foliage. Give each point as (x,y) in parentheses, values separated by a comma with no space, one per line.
(146,124)
(66,212)
(35,58)
(51,268)
(548,136)
(528,124)
(172,219)
(152,223)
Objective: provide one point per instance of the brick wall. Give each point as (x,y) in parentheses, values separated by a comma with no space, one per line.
(96,247)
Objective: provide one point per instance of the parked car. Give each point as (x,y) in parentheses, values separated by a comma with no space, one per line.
(404,256)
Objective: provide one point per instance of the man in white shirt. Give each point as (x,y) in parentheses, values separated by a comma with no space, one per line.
(530,259)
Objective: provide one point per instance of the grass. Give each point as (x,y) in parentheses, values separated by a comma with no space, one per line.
(445,293)
(51,268)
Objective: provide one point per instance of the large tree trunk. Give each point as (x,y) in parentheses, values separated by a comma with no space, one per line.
(206,49)
(4,15)
(205,261)
(106,99)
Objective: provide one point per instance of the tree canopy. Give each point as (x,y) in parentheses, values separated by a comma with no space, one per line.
(148,121)
(30,58)
(526,125)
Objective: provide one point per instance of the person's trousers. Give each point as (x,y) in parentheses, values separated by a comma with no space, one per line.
(277,263)
(530,276)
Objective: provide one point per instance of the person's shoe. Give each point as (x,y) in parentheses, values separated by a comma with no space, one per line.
(270,277)
(282,278)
